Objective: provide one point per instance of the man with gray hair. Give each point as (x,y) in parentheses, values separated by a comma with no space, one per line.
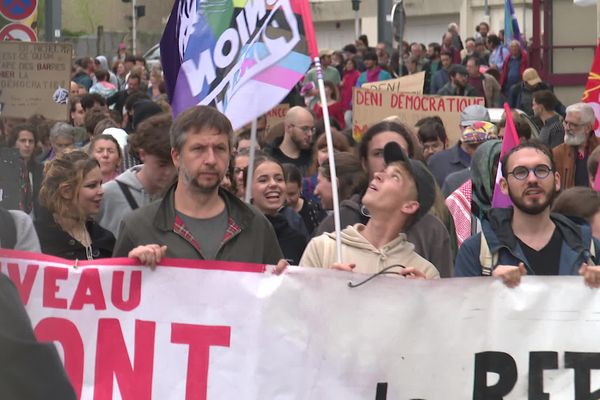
(571,156)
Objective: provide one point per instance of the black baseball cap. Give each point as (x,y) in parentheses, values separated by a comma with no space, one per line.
(423,179)
(458,69)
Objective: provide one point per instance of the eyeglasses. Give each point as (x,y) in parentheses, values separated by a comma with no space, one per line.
(540,171)
(572,125)
(305,129)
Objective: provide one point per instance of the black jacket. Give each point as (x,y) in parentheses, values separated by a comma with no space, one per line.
(36,170)
(28,369)
(10,176)
(497,228)
(56,242)
(291,241)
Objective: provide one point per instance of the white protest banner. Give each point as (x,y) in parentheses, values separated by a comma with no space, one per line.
(34,79)
(405,84)
(372,106)
(215,330)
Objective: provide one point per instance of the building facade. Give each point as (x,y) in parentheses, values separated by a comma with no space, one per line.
(566,33)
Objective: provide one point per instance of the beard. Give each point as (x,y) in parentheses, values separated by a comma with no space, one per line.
(192,182)
(301,143)
(576,140)
(536,206)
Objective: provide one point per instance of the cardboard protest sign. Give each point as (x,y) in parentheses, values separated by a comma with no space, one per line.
(372,106)
(220,330)
(276,115)
(34,79)
(405,84)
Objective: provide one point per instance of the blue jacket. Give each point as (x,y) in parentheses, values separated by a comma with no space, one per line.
(502,241)
(440,78)
(448,161)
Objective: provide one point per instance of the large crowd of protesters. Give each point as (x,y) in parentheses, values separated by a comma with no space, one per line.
(122,178)
(119,156)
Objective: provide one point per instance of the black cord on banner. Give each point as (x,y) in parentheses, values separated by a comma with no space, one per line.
(385,271)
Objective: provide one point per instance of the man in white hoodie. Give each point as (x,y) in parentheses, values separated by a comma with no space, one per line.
(396,198)
(144,183)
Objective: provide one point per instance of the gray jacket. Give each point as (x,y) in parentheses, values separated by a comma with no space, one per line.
(26,237)
(450,90)
(249,236)
(114,206)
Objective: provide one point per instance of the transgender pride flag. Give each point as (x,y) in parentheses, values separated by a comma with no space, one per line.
(510,140)
(241,56)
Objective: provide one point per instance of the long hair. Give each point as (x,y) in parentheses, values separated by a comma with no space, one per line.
(67,171)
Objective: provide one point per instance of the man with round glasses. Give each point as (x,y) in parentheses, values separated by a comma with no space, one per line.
(295,146)
(579,141)
(528,239)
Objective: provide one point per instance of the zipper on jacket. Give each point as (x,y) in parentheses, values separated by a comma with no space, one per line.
(195,246)
(224,242)
(526,263)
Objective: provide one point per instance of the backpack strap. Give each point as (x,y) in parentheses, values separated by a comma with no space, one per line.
(486,258)
(128,196)
(592,260)
(8,233)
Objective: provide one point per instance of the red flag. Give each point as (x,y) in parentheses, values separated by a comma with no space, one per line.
(510,140)
(592,87)
(591,93)
(303,8)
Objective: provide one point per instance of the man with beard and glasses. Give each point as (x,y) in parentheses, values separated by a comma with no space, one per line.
(197,219)
(295,146)
(579,141)
(528,239)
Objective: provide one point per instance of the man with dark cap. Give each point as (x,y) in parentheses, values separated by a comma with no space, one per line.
(397,197)
(458,84)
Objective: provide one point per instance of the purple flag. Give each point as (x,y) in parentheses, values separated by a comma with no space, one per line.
(242,57)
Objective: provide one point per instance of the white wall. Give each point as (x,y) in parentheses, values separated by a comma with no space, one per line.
(334,35)
(428,29)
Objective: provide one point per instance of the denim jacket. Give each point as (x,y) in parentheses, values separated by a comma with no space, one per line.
(576,241)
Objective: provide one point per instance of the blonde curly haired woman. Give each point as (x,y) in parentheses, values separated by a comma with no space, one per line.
(71,193)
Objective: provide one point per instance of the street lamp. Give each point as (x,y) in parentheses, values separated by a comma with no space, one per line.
(136,12)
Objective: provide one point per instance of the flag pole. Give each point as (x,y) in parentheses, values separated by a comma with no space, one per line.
(250,169)
(330,153)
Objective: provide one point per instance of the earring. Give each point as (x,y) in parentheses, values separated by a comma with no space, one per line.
(364,211)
